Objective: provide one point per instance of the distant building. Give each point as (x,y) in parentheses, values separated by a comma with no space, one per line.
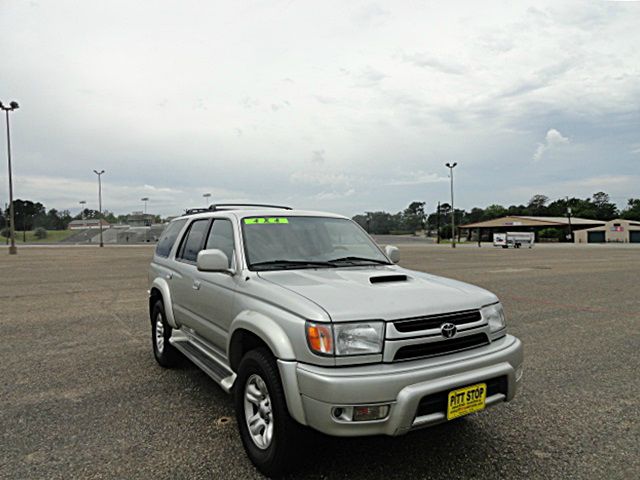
(140,219)
(88,223)
(614,231)
(526,223)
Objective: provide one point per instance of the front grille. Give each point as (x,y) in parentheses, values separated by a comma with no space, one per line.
(437,402)
(432,349)
(434,321)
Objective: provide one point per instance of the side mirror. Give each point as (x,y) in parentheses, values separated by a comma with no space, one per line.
(393,253)
(213,260)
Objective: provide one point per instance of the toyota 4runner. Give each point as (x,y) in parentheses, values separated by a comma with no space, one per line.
(309,323)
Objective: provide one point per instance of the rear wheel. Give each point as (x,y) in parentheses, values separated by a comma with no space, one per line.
(269,434)
(165,353)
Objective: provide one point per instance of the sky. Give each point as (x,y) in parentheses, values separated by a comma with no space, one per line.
(337,106)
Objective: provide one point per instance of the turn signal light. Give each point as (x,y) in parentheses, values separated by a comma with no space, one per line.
(320,338)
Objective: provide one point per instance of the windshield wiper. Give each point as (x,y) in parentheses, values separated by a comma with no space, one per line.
(353,259)
(291,264)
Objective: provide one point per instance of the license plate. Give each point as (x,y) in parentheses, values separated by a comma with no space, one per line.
(464,401)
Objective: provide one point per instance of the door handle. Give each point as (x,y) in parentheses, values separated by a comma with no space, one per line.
(169,276)
(196,285)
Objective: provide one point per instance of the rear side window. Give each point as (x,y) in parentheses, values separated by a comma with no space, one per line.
(168,237)
(193,241)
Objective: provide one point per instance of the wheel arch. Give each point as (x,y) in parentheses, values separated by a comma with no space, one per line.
(160,291)
(251,330)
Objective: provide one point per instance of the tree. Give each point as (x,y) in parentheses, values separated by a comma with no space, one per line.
(605,210)
(40,233)
(413,217)
(26,212)
(494,211)
(632,212)
(537,205)
(87,213)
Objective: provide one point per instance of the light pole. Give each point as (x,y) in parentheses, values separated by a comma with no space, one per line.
(451,166)
(13,250)
(206,196)
(145,200)
(569,219)
(83,203)
(99,174)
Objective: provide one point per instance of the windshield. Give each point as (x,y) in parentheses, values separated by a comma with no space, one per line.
(274,243)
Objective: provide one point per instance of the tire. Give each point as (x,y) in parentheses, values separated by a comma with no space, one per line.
(275,454)
(165,353)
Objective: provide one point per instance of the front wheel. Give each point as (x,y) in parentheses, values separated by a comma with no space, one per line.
(269,434)
(165,353)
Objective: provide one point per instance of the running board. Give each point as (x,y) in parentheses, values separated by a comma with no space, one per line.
(204,358)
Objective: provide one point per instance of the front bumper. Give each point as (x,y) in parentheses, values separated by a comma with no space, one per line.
(402,386)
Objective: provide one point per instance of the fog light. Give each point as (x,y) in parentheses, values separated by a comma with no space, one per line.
(370,412)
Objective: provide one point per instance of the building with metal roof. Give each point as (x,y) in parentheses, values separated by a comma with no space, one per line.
(613,231)
(527,223)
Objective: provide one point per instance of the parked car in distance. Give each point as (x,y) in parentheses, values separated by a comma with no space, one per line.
(310,324)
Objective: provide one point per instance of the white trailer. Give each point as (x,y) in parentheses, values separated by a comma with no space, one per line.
(514,239)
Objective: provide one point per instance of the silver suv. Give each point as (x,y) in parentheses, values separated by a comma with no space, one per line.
(310,324)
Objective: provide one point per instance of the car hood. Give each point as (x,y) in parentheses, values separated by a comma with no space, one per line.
(348,294)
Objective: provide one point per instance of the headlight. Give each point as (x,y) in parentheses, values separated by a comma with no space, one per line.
(358,338)
(345,338)
(495,316)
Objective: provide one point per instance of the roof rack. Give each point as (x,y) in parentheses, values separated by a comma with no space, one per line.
(193,211)
(232,206)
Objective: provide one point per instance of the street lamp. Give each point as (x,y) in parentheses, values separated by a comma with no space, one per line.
(145,200)
(83,203)
(570,236)
(99,174)
(206,196)
(13,250)
(451,166)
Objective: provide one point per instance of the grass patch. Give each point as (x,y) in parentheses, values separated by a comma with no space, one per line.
(53,236)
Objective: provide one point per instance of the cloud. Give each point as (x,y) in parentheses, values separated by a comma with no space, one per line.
(335,195)
(418,178)
(369,77)
(369,14)
(553,140)
(318,178)
(317,157)
(425,60)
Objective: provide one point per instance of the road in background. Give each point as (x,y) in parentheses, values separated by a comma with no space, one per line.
(82,396)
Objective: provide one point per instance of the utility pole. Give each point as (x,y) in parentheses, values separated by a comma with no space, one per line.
(145,200)
(13,250)
(438,224)
(569,219)
(451,166)
(99,173)
(206,196)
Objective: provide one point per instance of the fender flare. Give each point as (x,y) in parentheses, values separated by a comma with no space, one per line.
(274,336)
(269,331)
(161,285)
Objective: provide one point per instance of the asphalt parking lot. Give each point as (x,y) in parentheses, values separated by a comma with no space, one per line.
(82,397)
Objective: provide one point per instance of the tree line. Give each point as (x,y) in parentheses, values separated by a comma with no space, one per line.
(31,215)
(414,217)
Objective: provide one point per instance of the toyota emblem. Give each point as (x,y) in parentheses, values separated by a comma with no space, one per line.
(448,330)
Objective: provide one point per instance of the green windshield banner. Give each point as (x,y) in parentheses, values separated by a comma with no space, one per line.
(267,220)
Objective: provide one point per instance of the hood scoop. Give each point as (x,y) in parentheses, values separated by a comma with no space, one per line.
(388,279)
